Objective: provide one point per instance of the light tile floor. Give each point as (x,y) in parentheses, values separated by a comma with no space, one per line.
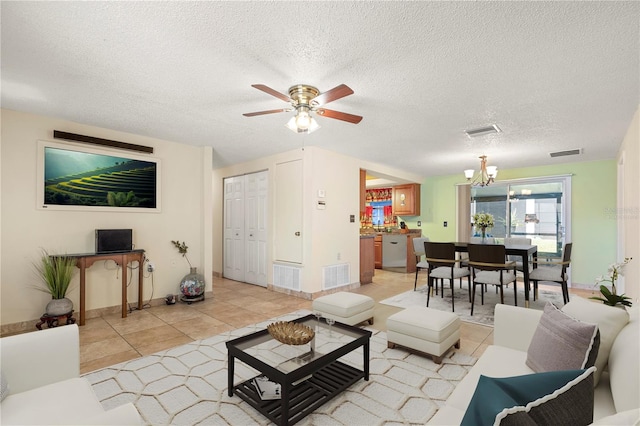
(110,339)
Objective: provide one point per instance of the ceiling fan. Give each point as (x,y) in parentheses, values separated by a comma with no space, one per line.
(305,99)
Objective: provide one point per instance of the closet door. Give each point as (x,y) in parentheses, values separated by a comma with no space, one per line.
(255,213)
(234,251)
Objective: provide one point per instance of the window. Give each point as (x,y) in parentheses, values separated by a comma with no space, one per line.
(528,208)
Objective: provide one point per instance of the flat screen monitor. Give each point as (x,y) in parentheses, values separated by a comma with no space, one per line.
(114,240)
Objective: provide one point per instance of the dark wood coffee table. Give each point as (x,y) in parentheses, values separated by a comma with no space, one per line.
(309,375)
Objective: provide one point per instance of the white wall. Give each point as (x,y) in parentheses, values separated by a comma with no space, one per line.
(326,232)
(185,197)
(629,209)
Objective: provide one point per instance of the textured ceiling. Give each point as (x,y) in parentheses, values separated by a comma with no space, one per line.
(552,75)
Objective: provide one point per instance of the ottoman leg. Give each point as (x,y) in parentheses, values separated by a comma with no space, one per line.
(457,345)
(437,359)
(370,321)
(391,345)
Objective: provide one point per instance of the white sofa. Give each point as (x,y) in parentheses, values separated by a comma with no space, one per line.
(42,371)
(616,396)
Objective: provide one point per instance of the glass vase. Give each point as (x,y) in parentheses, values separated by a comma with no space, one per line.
(192,286)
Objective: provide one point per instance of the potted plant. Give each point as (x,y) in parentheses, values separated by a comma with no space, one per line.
(192,285)
(56,272)
(610,297)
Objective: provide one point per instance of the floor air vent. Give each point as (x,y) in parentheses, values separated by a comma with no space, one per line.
(568,152)
(335,276)
(286,277)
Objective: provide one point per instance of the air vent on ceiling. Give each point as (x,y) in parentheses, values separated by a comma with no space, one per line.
(564,153)
(481,131)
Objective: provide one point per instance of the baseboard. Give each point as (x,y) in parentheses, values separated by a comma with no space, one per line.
(30,325)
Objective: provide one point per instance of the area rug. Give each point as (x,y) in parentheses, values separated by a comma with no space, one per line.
(482,314)
(187,385)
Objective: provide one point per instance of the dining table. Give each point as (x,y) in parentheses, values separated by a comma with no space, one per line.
(521,250)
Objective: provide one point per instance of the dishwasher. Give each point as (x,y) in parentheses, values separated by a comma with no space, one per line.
(394,251)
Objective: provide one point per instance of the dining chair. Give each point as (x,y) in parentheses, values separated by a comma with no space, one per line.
(512,241)
(489,265)
(443,265)
(476,240)
(553,271)
(418,251)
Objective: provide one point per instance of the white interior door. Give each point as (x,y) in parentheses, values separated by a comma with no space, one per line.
(288,203)
(234,228)
(255,214)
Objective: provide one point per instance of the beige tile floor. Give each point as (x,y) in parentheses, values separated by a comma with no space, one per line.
(110,339)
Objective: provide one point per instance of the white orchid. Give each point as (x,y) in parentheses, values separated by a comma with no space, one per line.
(613,273)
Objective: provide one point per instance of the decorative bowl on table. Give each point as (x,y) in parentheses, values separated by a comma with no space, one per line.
(290,333)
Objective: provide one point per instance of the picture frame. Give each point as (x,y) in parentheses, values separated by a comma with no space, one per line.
(78,177)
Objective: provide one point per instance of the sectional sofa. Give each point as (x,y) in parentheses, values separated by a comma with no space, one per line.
(41,383)
(616,395)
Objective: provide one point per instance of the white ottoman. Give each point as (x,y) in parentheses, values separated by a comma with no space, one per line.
(347,308)
(423,329)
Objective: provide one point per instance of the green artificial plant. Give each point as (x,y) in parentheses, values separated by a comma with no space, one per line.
(56,273)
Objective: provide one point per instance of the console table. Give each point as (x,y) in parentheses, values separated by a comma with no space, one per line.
(86,260)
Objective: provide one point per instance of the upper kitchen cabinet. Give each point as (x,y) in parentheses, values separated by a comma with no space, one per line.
(406,200)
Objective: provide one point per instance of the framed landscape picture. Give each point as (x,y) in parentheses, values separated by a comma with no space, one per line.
(75,177)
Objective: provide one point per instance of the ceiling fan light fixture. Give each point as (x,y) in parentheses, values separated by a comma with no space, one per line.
(303,118)
(312,126)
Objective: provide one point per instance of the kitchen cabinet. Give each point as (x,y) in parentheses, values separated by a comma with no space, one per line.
(367,259)
(406,200)
(377,250)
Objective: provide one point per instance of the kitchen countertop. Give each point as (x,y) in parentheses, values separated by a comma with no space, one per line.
(373,232)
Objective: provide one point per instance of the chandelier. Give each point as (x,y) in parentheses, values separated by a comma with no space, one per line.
(485,176)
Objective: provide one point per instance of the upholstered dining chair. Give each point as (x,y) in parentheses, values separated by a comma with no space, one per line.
(418,250)
(476,240)
(553,271)
(443,265)
(489,265)
(513,241)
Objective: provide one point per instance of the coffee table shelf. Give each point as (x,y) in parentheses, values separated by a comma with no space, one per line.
(307,396)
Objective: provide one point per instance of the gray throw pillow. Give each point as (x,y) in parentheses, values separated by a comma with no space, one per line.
(4,387)
(562,343)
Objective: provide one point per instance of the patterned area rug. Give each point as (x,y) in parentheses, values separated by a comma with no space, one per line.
(187,385)
(482,314)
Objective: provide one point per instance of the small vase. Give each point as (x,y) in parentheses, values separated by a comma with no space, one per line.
(57,307)
(192,286)
(484,236)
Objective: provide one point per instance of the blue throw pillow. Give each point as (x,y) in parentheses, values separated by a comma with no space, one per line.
(562,397)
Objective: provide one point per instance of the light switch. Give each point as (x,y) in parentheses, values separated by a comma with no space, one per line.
(321,193)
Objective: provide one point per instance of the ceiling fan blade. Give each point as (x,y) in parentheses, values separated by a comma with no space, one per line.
(355,119)
(332,95)
(272,92)
(271,111)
